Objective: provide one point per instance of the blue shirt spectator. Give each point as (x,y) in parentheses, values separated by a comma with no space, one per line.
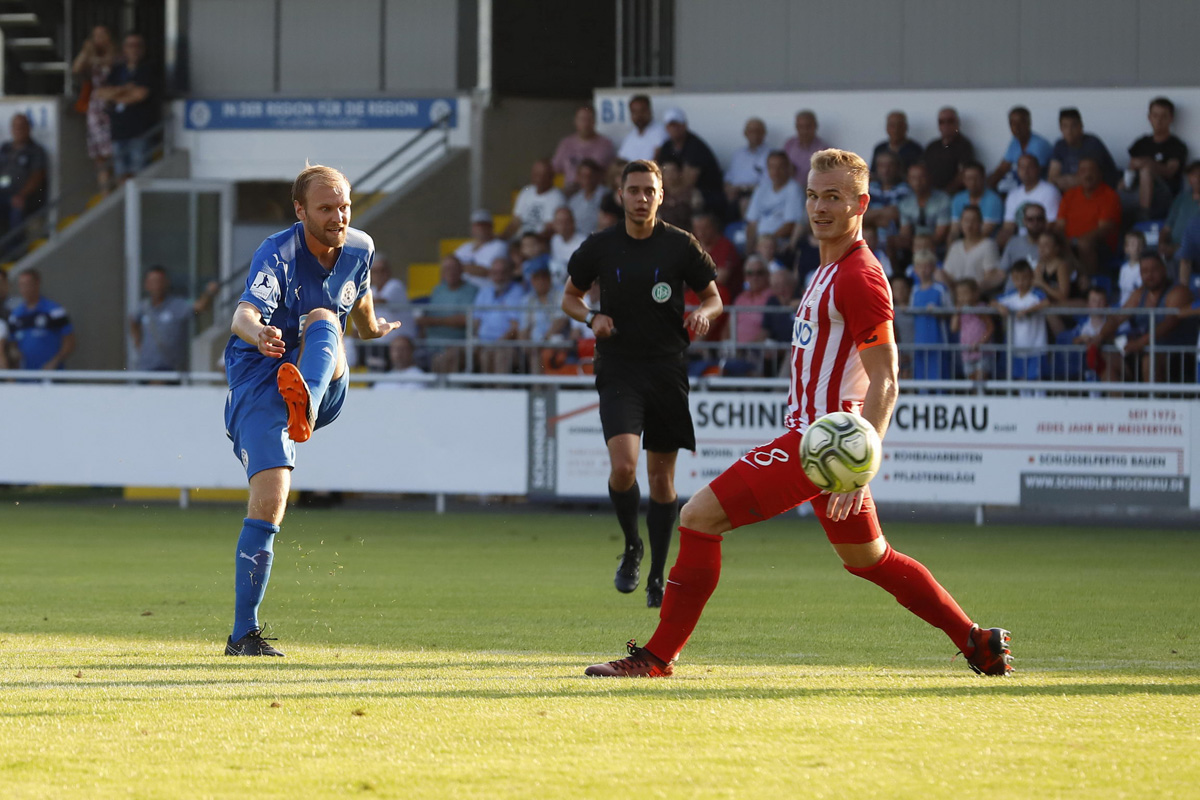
(494,324)
(1024,142)
(40,327)
(1075,146)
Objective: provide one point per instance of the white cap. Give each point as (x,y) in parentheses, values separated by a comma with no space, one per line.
(675,115)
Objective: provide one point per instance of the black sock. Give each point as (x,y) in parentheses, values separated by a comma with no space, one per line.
(660,521)
(626,505)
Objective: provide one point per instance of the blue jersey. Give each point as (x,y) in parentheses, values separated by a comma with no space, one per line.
(286,282)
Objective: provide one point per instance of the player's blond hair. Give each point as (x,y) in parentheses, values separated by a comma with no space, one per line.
(833,159)
(316,175)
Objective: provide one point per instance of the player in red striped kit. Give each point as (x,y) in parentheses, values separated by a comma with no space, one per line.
(843,358)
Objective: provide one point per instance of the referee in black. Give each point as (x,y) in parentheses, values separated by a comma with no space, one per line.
(641,372)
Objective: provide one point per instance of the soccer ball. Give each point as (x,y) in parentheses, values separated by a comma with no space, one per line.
(840,452)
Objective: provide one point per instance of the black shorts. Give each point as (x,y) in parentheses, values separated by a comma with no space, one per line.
(646,396)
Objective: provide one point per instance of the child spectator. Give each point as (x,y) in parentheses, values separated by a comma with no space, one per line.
(903,324)
(1092,324)
(973,330)
(1130,276)
(929,363)
(1028,330)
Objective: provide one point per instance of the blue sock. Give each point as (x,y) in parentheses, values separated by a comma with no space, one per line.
(252,570)
(320,357)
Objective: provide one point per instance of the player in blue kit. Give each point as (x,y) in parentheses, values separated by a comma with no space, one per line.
(286,366)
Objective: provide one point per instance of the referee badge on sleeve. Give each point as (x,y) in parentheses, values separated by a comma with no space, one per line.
(661,292)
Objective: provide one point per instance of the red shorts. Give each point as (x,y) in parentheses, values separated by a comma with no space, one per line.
(769,480)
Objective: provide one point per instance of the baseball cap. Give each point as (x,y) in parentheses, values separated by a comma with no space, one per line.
(537,264)
(481,215)
(674,115)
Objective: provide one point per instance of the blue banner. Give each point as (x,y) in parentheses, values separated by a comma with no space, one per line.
(293,113)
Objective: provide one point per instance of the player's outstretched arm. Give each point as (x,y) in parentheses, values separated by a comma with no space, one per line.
(366,323)
(247,326)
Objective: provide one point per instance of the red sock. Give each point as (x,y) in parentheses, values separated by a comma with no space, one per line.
(915,588)
(690,584)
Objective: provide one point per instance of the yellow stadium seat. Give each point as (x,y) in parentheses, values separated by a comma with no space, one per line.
(422,277)
(67,221)
(500,222)
(448,246)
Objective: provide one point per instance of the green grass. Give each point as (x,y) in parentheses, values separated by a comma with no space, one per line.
(441,657)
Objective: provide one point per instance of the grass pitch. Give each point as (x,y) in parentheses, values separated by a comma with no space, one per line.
(441,657)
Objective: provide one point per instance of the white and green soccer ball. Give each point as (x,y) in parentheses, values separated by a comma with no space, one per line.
(840,452)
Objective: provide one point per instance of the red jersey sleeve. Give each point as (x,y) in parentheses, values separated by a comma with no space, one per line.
(864,297)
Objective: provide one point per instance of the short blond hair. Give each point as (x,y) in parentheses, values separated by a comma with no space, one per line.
(316,175)
(833,159)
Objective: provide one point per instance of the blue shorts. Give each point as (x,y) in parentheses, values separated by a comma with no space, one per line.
(256,421)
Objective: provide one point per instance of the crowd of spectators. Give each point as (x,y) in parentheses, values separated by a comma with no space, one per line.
(974,252)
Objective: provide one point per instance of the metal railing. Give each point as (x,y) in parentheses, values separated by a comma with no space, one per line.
(645,43)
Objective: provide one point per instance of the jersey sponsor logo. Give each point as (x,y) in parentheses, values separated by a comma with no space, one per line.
(265,287)
(348,293)
(661,292)
(803,333)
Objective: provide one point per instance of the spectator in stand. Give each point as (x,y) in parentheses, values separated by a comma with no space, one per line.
(132,108)
(766,249)
(5,345)
(1129,278)
(39,326)
(445,323)
(1155,170)
(973,329)
(976,193)
(903,323)
(747,166)
(477,254)
(887,190)
(585,143)
(1025,247)
(161,326)
(973,256)
(22,175)
(525,249)
(1189,253)
(1156,291)
(930,363)
(748,325)
(946,155)
(390,298)
(800,148)
(898,145)
(533,210)
(585,202)
(563,243)
(778,324)
(1072,148)
(681,200)
(641,143)
(1091,325)
(1090,216)
(1055,276)
(610,214)
(402,361)
(543,315)
(94,64)
(1028,336)
(924,210)
(9,354)
(776,207)
(1005,177)
(1032,189)
(700,168)
(1184,209)
(497,317)
(707,230)
(871,240)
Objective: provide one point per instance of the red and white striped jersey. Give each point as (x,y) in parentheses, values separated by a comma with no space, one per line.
(846,308)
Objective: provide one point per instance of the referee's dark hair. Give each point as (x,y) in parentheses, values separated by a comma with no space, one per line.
(641,165)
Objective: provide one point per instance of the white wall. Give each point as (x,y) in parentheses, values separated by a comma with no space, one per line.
(247,155)
(855,120)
